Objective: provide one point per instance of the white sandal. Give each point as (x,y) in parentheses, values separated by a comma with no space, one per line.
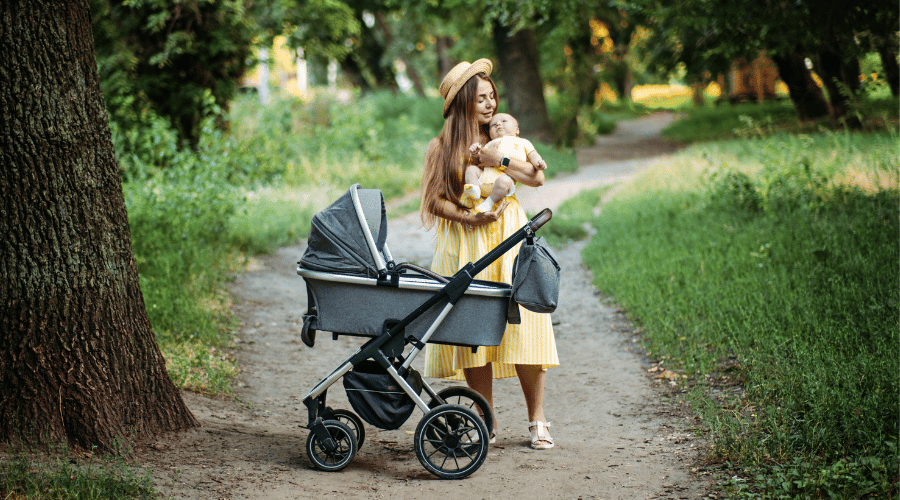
(540,435)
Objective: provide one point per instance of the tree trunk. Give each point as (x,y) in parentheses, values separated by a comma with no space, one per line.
(890,67)
(443,44)
(78,359)
(841,78)
(518,58)
(807,97)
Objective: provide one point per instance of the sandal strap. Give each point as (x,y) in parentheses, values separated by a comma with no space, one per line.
(539,434)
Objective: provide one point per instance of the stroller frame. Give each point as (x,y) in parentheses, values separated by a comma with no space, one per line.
(448,433)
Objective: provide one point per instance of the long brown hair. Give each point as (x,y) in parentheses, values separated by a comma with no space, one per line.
(445,162)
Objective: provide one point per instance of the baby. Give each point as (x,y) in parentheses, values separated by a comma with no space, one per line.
(491,181)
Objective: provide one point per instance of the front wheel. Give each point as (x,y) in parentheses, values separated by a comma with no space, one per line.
(342,453)
(451,441)
(308,332)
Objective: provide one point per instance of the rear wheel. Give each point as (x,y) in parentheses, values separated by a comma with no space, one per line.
(352,421)
(451,441)
(471,399)
(344,447)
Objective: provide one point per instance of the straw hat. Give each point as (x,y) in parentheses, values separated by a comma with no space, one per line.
(458,76)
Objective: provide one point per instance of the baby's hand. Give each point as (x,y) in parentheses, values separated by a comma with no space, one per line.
(474,148)
(537,161)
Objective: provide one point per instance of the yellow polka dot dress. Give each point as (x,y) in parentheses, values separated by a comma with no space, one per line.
(529,343)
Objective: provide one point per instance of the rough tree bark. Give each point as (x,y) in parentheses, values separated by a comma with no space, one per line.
(518,58)
(808,99)
(78,359)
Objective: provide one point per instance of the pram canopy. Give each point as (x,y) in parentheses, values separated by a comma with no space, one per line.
(337,240)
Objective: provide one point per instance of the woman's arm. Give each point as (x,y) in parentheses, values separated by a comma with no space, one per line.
(519,170)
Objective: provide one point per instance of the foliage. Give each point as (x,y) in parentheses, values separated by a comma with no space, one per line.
(179,211)
(767,269)
(705,37)
(183,60)
(320,27)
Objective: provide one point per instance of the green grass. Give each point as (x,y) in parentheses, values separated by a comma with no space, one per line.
(771,265)
(752,120)
(64,476)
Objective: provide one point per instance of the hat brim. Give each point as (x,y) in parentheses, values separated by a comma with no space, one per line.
(480,66)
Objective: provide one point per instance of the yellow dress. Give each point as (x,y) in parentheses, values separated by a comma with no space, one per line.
(530,342)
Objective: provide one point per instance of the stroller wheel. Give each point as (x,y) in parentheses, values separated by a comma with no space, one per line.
(344,449)
(308,333)
(470,398)
(451,441)
(355,424)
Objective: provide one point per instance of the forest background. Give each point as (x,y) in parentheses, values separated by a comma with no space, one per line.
(799,394)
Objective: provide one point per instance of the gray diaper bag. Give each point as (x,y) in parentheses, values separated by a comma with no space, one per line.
(535,279)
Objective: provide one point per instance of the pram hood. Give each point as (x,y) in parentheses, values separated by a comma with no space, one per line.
(338,239)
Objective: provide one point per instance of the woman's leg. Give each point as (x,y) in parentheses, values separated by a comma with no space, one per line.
(531,377)
(481,379)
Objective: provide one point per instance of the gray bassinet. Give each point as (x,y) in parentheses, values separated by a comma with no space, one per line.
(354,287)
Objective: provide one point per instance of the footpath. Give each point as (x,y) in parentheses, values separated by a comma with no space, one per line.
(619,434)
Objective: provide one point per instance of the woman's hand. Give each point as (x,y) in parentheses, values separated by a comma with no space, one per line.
(484,218)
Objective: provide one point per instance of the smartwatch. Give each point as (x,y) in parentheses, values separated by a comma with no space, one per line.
(504,163)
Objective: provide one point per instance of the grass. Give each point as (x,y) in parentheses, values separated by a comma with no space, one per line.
(63,475)
(749,120)
(766,270)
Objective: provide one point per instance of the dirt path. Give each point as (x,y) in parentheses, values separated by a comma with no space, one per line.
(617,435)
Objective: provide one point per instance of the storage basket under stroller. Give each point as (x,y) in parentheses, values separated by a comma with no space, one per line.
(355,288)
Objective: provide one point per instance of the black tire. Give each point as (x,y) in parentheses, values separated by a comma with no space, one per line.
(352,421)
(470,398)
(308,333)
(451,441)
(343,453)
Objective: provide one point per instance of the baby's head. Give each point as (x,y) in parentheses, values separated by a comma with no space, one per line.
(502,125)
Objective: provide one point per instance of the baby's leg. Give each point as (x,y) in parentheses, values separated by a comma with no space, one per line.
(504,186)
(473,175)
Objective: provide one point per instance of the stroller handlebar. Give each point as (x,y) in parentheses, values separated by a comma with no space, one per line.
(540,219)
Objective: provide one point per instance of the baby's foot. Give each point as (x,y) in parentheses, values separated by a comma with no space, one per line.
(485,206)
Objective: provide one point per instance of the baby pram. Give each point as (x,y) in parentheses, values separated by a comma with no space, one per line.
(354,287)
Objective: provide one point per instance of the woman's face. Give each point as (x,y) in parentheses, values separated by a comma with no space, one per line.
(485,102)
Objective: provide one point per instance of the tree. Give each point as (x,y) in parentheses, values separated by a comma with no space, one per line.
(78,359)
(517,54)
(186,57)
(828,32)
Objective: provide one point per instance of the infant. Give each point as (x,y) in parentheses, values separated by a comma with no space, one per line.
(491,182)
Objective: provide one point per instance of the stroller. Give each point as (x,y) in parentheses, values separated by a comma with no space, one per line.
(355,288)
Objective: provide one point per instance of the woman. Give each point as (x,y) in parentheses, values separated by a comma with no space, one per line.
(527,349)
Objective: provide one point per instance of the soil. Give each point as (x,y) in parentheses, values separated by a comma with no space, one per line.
(620,431)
